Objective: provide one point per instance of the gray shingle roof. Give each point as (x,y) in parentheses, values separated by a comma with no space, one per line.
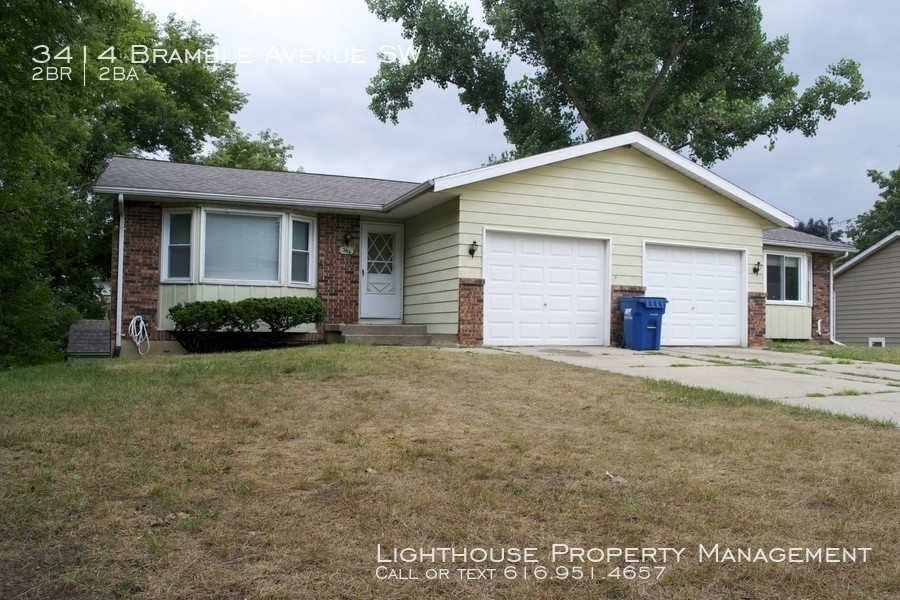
(148,177)
(785,236)
(88,338)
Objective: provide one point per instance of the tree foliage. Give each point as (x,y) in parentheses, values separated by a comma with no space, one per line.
(820,228)
(884,218)
(237,149)
(698,75)
(58,135)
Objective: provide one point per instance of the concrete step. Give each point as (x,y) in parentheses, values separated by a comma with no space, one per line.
(388,340)
(383,329)
(386,335)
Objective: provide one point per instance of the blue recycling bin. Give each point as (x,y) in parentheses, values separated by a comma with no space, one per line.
(642,320)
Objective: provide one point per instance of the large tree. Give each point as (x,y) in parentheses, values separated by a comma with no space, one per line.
(820,228)
(237,149)
(58,132)
(884,218)
(698,75)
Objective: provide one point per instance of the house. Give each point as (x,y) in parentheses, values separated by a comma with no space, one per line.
(868,295)
(533,251)
(798,284)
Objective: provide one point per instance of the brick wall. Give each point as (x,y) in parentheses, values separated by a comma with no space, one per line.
(338,274)
(616,326)
(821,295)
(143,224)
(471,312)
(756,319)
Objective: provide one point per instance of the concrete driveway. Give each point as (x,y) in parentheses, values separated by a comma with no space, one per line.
(852,388)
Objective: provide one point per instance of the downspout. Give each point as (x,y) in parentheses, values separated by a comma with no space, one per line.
(831,311)
(120,275)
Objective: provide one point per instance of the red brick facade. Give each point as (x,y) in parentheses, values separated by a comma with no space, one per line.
(821,296)
(141,267)
(756,319)
(338,274)
(616,325)
(471,312)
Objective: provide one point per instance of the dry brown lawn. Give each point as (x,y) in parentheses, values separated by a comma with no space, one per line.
(278,475)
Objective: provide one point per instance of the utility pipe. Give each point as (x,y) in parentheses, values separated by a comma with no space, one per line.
(831,310)
(120,275)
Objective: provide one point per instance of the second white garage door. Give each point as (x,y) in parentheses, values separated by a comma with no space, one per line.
(705,293)
(542,289)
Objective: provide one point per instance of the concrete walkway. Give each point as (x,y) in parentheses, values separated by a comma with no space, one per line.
(852,388)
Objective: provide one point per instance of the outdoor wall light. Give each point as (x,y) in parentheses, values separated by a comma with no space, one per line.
(348,237)
(472,248)
(757,267)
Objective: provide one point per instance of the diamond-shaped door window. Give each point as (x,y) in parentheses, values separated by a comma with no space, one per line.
(381,253)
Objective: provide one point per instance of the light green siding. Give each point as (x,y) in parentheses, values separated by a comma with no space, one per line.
(620,194)
(172,294)
(431,278)
(788,322)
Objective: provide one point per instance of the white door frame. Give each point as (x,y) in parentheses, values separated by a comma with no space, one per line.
(381,306)
(744,284)
(605,285)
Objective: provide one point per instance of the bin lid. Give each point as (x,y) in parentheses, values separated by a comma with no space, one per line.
(651,302)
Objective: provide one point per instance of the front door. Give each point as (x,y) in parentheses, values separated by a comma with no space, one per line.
(381,270)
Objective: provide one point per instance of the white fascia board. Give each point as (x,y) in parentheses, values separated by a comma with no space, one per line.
(823,249)
(643,144)
(409,196)
(232,198)
(867,252)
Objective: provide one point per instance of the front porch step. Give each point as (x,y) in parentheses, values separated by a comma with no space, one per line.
(386,335)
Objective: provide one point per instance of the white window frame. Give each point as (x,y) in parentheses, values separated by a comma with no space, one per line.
(312,250)
(803,261)
(164,267)
(248,213)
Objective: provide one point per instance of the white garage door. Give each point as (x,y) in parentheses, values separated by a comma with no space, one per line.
(542,289)
(705,294)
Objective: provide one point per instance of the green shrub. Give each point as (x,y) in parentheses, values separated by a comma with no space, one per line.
(280,314)
(211,324)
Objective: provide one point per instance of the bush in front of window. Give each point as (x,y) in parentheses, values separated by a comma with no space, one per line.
(212,325)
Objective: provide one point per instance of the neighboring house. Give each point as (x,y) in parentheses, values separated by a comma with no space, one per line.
(532,251)
(868,295)
(798,268)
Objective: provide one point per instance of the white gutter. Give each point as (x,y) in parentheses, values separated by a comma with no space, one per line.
(234,198)
(120,275)
(831,309)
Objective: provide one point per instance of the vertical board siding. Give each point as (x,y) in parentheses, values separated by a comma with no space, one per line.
(172,294)
(619,194)
(431,277)
(788,322)
(868,299)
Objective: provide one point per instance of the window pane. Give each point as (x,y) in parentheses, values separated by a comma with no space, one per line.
(791,278)
(300,238)
(242,247)
(773,278)
(179,262)
(180,229)
(299,266)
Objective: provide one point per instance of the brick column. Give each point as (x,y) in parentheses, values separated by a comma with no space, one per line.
(756,319)
(616,325)
(821,295)
(338,274)
(143,227)
(471,312)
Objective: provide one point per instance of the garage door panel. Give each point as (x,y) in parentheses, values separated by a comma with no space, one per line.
(558,285)
(704,289)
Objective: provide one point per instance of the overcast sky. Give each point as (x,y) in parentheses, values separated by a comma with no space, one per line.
(306,65)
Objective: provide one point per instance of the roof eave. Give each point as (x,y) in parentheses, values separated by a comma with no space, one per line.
(643,144)
(867,252)
(814,247)
(178,195)
(409,196)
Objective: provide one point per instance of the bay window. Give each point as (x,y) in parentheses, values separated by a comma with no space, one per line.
(238,247)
